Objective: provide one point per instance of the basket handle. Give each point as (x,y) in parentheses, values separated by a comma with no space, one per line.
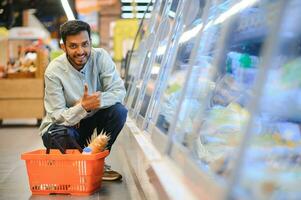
(57,133)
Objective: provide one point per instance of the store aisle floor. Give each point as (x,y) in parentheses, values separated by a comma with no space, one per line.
(13,176)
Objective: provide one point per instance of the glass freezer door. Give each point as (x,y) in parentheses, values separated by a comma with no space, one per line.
(171,85)
(142,58)
(146,26)
(185,13)
(272,157)
(153,66)
(214,108)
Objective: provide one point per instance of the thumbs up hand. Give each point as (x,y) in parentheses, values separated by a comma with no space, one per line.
(90,102)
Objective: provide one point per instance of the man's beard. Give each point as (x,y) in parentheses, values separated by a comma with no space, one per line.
(74,64)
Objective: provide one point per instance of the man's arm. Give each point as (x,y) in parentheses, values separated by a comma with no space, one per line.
(113,86)
(55,103)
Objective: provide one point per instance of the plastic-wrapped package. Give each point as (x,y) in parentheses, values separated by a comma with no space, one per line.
(278,95)
(222,120)
(228,90)
(243,67)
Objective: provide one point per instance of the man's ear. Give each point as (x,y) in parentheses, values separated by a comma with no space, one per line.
(63,46)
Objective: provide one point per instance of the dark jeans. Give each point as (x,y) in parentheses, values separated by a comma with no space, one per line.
(110,120)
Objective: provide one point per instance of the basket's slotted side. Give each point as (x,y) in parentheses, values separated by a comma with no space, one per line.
(50,187)
(61,177)
(82,171)
(71,173)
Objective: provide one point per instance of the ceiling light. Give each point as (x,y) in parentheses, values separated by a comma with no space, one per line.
(67,9)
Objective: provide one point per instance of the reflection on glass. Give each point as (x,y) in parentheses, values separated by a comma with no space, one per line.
(148,34)
(157,59)
(176,79)
(139,80)
(199,82)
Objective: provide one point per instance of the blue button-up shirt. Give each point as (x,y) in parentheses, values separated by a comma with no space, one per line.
(64,87)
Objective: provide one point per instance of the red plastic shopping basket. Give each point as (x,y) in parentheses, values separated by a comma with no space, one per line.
(70,173)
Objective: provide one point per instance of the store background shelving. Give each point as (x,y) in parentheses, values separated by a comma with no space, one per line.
(22,87)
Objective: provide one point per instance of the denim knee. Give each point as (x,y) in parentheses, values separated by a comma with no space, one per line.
(119,112)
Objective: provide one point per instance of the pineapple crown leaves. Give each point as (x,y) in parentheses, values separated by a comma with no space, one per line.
(102,134)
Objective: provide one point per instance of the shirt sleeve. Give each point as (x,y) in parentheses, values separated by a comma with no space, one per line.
(112,85)
(55,103)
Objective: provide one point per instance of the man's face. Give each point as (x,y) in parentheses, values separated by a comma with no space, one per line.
(78,49)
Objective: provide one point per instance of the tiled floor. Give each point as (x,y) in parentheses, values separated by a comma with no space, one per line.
(13,176)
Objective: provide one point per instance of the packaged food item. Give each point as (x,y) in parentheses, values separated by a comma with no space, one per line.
(243,67)
(87,151)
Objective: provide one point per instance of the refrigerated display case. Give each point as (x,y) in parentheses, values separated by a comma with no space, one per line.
(172,77)
(211,118)
(138,61)
(146,26)
(161,62)
(185,52)
(166,29)
(271,153)
(224,107)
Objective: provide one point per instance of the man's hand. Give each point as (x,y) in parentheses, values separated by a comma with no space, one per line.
(90,102)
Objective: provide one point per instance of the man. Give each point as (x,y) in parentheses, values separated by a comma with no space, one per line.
(83,91)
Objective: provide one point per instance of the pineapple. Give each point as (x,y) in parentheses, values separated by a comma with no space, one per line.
(98,143)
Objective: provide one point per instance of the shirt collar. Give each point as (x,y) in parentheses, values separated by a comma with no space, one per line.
(83,70)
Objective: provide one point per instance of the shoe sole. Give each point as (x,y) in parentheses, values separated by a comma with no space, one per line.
(112,179)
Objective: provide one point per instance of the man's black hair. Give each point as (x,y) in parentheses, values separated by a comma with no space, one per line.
(73,27)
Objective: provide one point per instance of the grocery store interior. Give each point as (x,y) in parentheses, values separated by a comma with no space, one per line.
(213,92)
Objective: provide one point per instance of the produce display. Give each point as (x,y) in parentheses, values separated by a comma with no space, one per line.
(25,59)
